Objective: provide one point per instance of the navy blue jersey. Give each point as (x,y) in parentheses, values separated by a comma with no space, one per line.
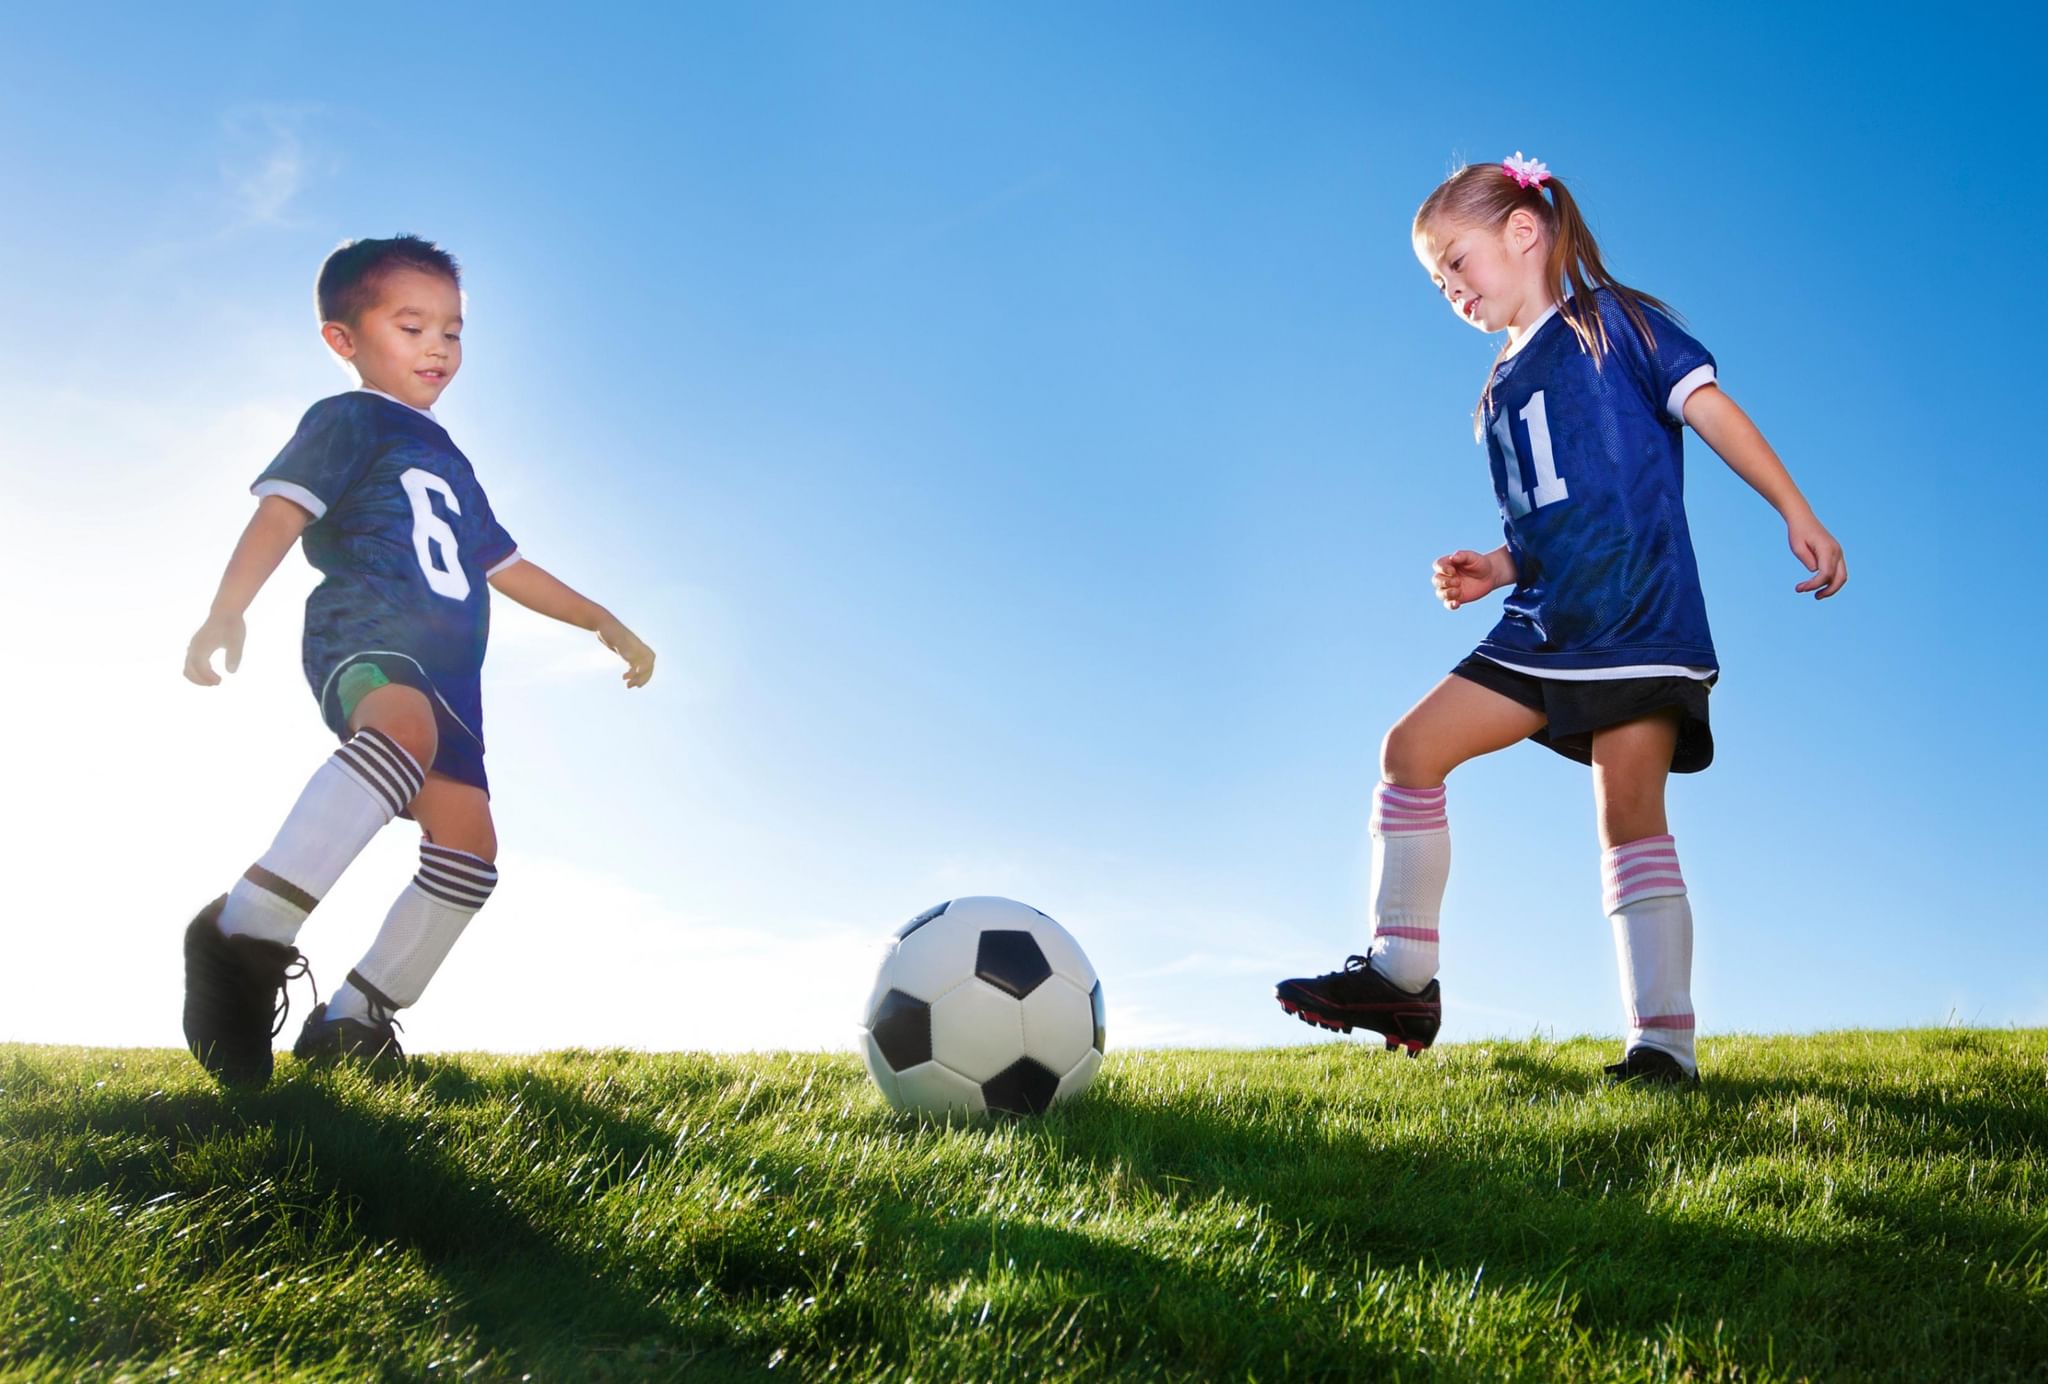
(405,539)
(1589,469)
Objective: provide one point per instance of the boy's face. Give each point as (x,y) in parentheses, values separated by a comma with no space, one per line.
(409,342)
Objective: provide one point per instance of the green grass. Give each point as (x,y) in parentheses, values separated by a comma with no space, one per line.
(1849,1205)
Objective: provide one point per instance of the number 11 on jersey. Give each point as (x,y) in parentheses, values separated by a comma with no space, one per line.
(1550,486)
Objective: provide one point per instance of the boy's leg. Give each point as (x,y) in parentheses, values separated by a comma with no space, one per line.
(455,879)
(362,786)
(238,950)
(1645,895)
(1391,990)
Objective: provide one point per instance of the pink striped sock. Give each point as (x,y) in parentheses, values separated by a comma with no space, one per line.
(1411,863)
(1646,903)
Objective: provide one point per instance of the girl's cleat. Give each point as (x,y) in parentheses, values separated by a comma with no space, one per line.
(1360,997)
(1650,1067)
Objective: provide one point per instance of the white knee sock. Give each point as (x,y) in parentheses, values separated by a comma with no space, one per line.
(417,934)
(360,788)
(1411,862)
(1646,902)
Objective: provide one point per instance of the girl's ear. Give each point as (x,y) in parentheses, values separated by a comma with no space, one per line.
(1524,232)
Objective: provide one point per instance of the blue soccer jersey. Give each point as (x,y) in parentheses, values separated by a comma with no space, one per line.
(1589,470)
(406,542)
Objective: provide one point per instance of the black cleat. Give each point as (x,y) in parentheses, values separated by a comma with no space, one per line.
(333,1040)
(235,999)
(1651,1067)
(1360,997)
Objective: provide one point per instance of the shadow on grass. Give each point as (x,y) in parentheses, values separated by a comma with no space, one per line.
(1860,1282)
(531,1299)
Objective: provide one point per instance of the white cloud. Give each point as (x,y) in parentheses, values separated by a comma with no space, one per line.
(263,163)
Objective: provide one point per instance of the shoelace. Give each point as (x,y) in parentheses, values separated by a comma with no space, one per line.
(281,1007)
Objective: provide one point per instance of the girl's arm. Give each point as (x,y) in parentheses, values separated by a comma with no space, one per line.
(273,528)
(1466,576)
(534,587)
(1738,441)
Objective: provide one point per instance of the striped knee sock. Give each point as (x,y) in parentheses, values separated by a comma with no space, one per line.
(1411,862)
(1646,902)
(349,799)
(418,933)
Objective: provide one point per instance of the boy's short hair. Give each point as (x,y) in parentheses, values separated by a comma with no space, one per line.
(348,280)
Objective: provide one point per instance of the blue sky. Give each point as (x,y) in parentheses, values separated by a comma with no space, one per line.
(1023,432)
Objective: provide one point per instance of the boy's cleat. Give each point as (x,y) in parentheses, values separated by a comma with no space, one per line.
(235,1000)
(332,1040)
(1360,997)
(1652,1067)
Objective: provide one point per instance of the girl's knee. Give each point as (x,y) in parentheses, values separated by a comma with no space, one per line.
(1408,759)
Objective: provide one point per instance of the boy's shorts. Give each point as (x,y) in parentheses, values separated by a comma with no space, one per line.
(1575,708)
(458,753)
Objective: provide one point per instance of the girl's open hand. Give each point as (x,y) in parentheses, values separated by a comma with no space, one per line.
(219,632)
(1820,554)
(626,644)
(1462,576)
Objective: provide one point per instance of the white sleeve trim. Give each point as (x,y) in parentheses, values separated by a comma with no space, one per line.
(297,494)
(1685,388)
(493,571)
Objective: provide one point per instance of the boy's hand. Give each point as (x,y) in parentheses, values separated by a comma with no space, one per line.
(623,642)
(1462,576)
(219,632)
(1820,554)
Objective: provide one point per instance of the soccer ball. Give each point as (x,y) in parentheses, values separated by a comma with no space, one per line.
(982,1004)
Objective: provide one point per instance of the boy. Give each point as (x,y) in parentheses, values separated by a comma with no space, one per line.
(393,517)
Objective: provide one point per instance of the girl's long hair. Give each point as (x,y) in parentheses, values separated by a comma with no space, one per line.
(1485,195)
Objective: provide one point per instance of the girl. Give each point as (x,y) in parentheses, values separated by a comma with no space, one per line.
(1602,651)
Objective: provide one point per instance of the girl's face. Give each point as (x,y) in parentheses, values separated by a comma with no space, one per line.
(1492,279)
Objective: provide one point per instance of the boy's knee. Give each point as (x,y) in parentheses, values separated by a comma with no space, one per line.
(404,714)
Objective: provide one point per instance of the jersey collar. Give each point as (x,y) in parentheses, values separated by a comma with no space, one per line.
(1530,335)
(426,413)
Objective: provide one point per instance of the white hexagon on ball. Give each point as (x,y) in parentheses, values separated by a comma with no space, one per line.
(1059,1025)
(982,1003)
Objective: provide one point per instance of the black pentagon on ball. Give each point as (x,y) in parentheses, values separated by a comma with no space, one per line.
(902,1026)
(1011,961)
(1024,1087)
(1101,1026)
(921,919)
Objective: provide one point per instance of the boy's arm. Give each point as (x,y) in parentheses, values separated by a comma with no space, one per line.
(1740,443)
(273,528)
(534,587)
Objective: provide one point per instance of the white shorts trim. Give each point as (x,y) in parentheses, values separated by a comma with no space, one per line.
(1639,670)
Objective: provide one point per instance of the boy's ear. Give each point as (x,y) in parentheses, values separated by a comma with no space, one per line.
(339,339)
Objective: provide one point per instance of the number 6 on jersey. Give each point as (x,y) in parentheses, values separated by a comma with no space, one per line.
(430,529)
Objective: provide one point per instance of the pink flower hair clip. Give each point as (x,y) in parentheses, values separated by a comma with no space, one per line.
(1527,172)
